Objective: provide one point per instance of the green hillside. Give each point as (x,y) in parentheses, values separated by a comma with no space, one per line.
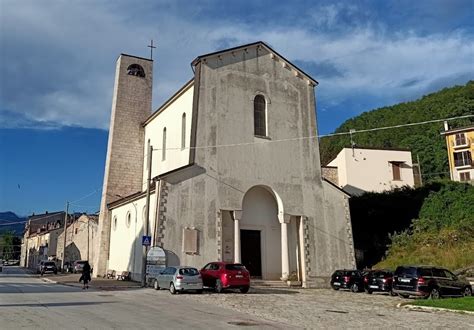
(423,140)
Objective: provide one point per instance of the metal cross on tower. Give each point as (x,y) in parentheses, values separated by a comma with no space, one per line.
(151,49)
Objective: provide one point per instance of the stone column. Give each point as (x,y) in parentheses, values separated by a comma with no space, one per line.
(237,215)
(285,260)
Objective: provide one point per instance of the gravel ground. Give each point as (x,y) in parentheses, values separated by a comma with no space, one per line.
(318,308)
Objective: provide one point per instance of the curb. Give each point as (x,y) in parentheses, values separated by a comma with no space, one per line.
(91,286)
(431,309)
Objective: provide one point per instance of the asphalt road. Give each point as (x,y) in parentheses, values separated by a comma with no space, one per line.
(26,301)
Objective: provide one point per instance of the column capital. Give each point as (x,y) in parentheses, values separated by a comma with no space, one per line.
(284,217)
(237,214)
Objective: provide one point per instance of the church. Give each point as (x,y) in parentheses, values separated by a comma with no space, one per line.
(227,169)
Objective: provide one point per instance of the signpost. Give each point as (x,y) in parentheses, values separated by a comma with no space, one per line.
(146,240)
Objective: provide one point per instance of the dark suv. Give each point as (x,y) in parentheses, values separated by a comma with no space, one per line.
(348,279)
(427,281)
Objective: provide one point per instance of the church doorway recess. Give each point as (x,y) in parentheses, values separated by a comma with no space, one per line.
(251,251)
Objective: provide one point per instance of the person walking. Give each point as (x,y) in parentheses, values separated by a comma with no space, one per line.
(86,275)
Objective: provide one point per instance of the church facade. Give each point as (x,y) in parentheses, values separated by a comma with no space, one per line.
(233,170)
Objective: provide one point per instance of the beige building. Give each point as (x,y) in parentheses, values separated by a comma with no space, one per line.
(235,173)
(40,239)
(358,170)
(81,237)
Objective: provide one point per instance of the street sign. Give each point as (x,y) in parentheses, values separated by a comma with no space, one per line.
(146,240)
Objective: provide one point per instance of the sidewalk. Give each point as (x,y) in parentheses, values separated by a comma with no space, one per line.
(96,283)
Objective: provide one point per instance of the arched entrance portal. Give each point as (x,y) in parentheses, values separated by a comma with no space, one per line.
(260,233)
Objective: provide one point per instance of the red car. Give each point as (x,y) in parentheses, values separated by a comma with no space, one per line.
(224,275)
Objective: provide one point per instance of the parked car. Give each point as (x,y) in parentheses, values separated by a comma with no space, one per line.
(179,279)
(348,279)
(428,281)
(48,267)
(78,266)
(378,281)
(224,275)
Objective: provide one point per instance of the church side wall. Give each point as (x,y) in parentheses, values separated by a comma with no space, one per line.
(171,118)
(126,239)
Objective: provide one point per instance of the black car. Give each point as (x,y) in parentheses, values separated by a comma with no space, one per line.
(48,267)
(348,279)
(428,281)
(378,281)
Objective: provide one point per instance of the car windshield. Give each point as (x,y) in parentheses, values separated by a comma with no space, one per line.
(235,267)
(49,263)
(406,271)
(188,271)
(381,274)
(80,262)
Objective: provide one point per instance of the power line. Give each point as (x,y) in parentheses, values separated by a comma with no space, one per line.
(350,132)
(87,195)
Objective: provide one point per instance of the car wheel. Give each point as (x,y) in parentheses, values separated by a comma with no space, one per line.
(335,288)
(467,292)
(404,296)
(369,291)
(435,294)
(355,287)
(156,286)
(199,291)
(218,287)
(244,289)
(172,288)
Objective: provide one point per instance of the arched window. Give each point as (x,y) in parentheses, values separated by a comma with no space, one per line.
(136,70)
(128,219)
(183,131)
(163,150)
(259,116)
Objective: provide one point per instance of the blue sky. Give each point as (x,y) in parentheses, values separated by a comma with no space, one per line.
(57,60)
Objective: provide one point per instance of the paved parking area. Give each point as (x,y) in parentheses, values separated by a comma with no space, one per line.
(318,308)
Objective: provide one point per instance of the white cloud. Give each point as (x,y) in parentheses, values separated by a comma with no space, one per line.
(60,58)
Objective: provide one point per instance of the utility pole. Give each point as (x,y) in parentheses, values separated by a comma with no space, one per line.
(88,231)
(147,213)
(419,170)
(64,238)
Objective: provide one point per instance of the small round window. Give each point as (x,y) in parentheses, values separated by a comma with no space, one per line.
(128,219)
(136,70)
(115,222)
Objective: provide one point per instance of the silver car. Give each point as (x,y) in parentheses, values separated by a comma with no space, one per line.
(179,279)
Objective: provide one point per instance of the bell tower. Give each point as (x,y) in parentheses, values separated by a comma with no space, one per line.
(131,106)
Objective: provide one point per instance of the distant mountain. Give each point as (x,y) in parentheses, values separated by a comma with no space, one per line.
(423,140)
(9,217)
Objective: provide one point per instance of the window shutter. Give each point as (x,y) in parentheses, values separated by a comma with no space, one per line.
(190,240)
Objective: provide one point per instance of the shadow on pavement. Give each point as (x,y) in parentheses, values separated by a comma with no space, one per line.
(62,304)
(32,288)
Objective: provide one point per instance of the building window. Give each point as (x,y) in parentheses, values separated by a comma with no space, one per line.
(183,131)
(115,222)
(136,70)
(396,171)
(465,176)
(259,116)
(163,149)
(460,139)
(128,219)
(462,158)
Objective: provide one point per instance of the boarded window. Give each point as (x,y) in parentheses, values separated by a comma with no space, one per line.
(396,171)
(259,116)
(190,241)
